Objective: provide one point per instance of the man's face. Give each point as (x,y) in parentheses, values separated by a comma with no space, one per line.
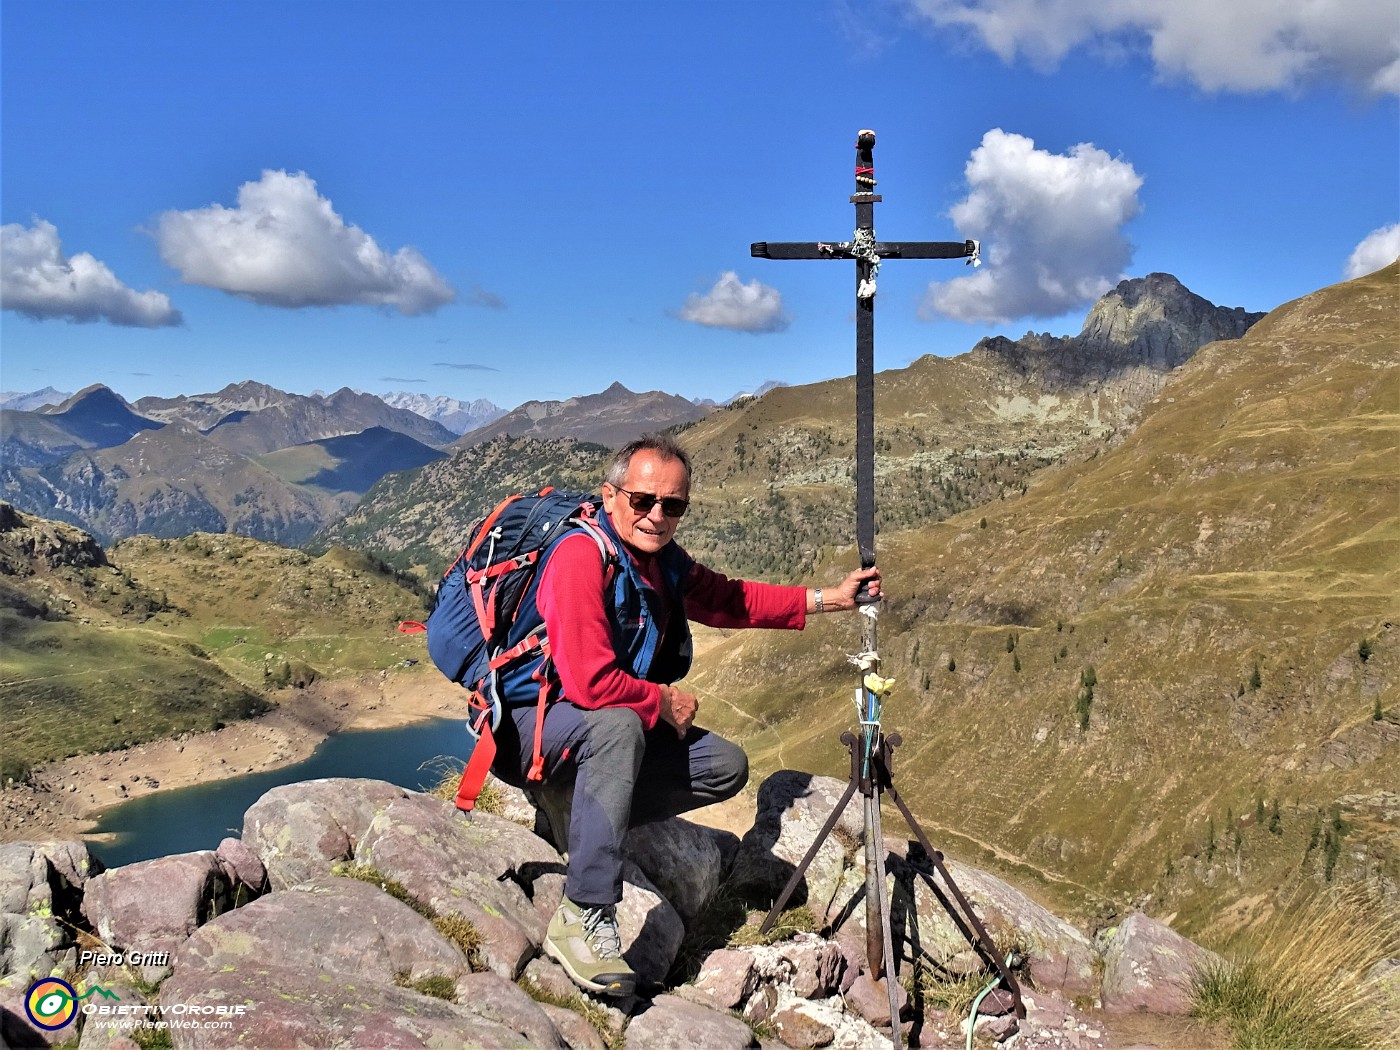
(649,474)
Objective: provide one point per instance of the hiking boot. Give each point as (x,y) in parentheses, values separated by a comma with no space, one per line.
(585,941)
(553,812)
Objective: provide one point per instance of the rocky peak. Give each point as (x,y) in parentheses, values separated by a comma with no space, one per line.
(1142,329)
(1156,321)
(93,398)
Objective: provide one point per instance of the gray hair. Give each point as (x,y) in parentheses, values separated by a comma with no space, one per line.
(664,445)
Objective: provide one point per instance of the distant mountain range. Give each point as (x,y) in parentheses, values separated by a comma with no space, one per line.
(774,472)
(256,460)
(250,459)
(457,416)
(254,419)
(771,384)
(34,400)
(260,461)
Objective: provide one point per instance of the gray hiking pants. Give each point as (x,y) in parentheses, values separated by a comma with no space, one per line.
(621,775)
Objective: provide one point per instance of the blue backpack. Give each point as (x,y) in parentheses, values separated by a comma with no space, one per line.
(479,607)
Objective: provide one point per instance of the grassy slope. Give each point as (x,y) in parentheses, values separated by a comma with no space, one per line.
(1249,521)
(179,635)
(775,474)
(420,519)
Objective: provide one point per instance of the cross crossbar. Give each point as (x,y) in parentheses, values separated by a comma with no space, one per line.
(883,249)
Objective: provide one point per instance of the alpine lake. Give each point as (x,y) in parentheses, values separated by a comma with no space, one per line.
(200,817)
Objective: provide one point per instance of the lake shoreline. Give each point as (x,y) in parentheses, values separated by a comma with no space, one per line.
(63,799)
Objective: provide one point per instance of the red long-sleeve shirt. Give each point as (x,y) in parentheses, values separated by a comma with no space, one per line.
(570,598)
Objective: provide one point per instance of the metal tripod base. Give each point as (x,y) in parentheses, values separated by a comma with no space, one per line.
(876,782)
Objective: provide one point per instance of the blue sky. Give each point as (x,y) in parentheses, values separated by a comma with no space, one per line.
(532,200)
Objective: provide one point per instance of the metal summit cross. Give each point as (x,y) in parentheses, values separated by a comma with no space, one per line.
(868,254)
(871,753)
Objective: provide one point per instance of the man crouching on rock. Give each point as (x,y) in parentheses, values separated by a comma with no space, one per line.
(617,645)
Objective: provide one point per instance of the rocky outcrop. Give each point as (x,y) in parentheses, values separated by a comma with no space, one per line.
(353,913)
(1153,323)
(31,545)
(1147,967)
(41,892)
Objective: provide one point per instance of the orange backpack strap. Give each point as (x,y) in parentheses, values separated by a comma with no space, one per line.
(474,776)
(541,675)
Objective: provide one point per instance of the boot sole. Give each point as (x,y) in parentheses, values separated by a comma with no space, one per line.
(619,988)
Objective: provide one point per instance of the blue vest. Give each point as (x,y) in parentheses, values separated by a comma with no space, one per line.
(636,612)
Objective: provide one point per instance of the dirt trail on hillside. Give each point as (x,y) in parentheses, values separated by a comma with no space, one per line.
(65,797)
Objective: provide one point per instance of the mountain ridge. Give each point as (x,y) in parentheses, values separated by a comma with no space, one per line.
(457,416)
(610,417)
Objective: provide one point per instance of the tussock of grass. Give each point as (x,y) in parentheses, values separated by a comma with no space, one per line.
(590,1011)
(790,923)
(726,921)
(152,1038)
(1304,982)
(372,875)
(449,773)
(945,991)
(934,984)
(463,934)
(435,985)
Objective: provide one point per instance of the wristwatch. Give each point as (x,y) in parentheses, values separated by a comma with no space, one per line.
(817,595)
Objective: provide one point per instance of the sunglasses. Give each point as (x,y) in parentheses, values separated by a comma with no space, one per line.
(642,502)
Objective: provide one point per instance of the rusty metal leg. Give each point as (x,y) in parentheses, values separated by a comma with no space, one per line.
(977,937)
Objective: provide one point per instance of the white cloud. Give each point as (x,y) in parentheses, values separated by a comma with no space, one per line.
(731,303)
(1051,227)
(1220,45)
(284,245)
(1378,248)
(37,281)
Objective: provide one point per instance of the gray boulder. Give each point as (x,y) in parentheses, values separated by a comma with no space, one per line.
(302,830)
(502,878)
(870,999)
(792,807)
(41,886)
(31,873)
(245,871)
(110,1030)
(503,1002)
(292,1007)
(1148,967)
(728,977)
(798,1028)
(577,1032)
(515,804)
(682,861)
(817,966)
(154,905)
(332,925)
(672,1022)
(15,1028)
(651,929)
(1059,956)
